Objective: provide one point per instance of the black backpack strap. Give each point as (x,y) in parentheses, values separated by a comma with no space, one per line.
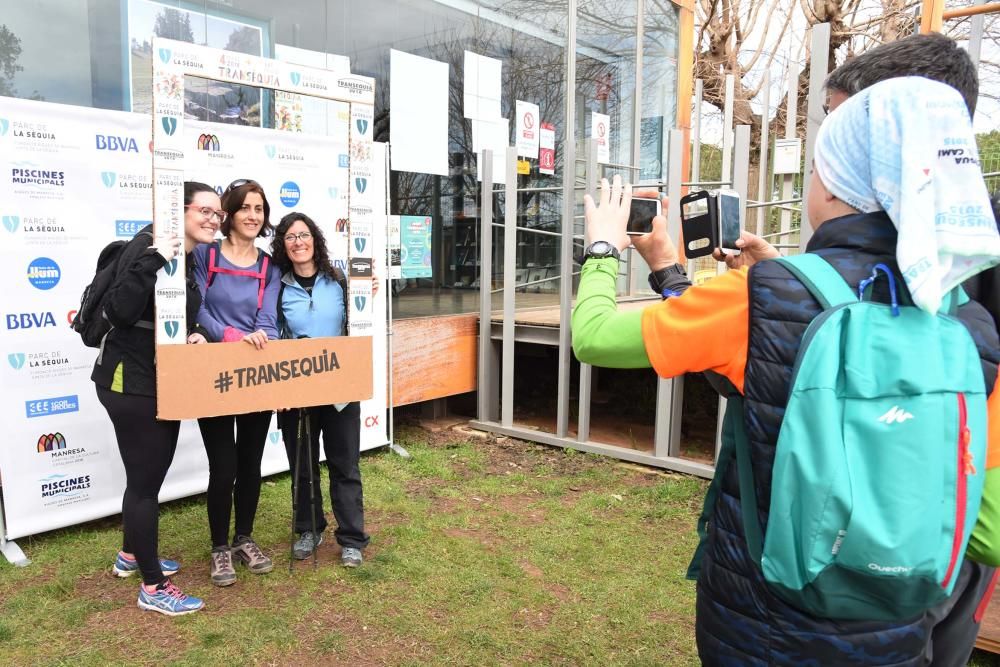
(341,279)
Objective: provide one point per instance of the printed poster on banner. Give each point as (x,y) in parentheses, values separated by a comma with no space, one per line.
(527,129)
(415,245)
(360,323)
(600,129)
(547,149)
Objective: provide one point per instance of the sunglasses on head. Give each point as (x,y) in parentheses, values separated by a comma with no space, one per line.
(240,182)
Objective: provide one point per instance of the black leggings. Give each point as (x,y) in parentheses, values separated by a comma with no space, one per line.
(147,447)
(233,471)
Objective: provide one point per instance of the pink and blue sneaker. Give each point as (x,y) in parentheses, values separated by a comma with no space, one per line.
(126,567)
(169,600)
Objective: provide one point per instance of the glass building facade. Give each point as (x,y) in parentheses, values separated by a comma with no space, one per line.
(97,53)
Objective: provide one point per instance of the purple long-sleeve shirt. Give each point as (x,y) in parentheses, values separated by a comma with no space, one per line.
(231,300)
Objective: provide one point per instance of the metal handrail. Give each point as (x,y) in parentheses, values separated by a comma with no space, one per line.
(762,204)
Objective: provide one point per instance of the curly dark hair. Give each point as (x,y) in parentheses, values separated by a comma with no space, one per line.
(232,201)
(321,255)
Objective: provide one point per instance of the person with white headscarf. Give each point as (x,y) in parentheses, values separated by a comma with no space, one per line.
(897,183)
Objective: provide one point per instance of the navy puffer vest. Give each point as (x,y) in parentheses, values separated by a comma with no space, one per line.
(739,621)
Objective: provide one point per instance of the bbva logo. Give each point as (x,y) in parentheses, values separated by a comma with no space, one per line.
(169,125)
(270,150)
(361,184)
(165,56)
(3,126)
(109,178)
(10,223)
(360,302)
(296,77)
(362,125)
(16,360)
(171,268)
(360,243)
(171,327)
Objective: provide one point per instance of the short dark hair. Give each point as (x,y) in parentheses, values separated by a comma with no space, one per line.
(232,201)
(321,254)
(932,56)
(191,188)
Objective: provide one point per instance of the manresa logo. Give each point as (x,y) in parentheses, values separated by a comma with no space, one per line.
(110,142)
(169,124)
(208,142)
(109,178)
(30,320)
(51,406)
(49,442)
(290,193)
(16,360)
(43,273)
(10,223)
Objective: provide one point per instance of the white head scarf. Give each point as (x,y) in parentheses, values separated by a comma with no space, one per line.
(906,146)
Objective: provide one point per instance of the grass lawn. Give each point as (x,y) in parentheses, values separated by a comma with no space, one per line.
(482,552)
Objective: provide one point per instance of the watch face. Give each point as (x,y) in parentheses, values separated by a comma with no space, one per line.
(600,248)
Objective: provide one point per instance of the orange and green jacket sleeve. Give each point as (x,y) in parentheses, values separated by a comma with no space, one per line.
(984,544)
(703,329)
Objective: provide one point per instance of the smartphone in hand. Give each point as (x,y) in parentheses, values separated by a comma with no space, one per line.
(730,228)
(640,218)
(699,224)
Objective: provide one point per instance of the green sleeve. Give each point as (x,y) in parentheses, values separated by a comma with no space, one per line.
(984,543)
(601,335)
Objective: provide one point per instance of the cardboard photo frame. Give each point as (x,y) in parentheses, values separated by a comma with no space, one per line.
(218,379)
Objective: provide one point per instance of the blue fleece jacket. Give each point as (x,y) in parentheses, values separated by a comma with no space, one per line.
(315,316)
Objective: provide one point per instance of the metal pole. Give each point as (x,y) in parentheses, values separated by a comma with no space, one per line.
(763,183)
(594,169)
(387,283)
(569,209)
(509,280)
(818,68)
(791,118)
(699,87)
(485,393)
(976,26)
(727,127)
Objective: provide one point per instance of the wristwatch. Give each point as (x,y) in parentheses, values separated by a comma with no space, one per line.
(665,277)
(600,250)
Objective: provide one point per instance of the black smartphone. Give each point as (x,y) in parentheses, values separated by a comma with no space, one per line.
(640,217)
(698,224)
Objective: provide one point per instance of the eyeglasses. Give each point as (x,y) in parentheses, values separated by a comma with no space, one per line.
(301,236)
(239,182)
(209,214)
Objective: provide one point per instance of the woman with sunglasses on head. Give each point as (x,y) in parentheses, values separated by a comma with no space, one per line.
(313,304)
(125,378)
(239,296)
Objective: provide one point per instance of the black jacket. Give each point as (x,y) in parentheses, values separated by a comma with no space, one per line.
(129,300)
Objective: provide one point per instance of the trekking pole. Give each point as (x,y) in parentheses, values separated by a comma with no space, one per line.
(312,488)
(295,487)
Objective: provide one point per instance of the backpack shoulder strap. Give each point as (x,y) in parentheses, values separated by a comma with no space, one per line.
(341,279)
(262,279)
(213,265)
(820,278)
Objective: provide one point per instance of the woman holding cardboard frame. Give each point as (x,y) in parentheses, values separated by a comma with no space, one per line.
(240,292)
(125,378)
(313,304)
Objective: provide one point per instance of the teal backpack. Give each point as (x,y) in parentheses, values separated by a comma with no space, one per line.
(880,461)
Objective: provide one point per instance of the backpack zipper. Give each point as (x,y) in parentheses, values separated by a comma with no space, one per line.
(963,470)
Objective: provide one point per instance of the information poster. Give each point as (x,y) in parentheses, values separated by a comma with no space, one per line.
(415,246)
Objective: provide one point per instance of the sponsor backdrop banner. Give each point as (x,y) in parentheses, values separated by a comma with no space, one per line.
(73,179)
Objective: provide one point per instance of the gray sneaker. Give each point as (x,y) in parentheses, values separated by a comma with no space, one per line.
(350,557)
(247,551)
(306,544)
(222,571)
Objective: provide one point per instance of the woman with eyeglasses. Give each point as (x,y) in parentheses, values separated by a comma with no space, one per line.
(239,286)
(313,304)
(125,378)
